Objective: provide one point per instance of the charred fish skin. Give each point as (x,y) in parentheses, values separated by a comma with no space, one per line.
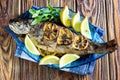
(60,40)
(94,48)
(37,32)
(109,46)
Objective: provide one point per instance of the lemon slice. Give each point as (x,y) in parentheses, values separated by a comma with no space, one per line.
(33,41)
(64,17)
(30,46)
(67,58)
(76,22)
(49,59)
(85,30)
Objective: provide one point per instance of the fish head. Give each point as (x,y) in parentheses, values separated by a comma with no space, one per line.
(20,26)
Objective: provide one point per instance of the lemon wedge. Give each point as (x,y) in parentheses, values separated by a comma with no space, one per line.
(64,17)
(76,22)
(30,46)
(85,30)
(49,59)
(67,58)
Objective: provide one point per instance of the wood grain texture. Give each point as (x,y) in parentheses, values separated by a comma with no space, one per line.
(104,13)
(113,30)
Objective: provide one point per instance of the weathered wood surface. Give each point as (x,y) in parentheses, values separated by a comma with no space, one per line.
(104,13)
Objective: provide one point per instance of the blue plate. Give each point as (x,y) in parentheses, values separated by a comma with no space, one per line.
(96,37)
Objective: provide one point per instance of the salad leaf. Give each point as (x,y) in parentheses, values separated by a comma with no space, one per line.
(35,15)
(51,14)
(50,7)
(32,11)
(36,20)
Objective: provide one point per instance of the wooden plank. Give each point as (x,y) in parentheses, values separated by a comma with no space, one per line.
(7,46)
(116,9)
(33,71)
(114,32)
(3,13)
(104,13)
(54,3)
(70,3)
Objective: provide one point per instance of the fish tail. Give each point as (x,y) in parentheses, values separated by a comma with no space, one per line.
(109,46)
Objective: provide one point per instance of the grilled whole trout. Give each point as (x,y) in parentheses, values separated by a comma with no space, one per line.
(51,38)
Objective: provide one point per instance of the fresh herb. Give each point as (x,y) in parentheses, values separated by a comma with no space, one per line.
(51,14)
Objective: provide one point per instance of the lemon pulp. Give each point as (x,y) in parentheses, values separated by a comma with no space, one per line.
(85,30)
(30,46)
(76,22)
(67,58)
(64,17)
(49,59)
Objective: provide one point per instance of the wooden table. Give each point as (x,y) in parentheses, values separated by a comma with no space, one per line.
(104,13)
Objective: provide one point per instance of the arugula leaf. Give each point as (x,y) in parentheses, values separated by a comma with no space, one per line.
(36,20)
(35,15)
(50,7)
(32,11)
(50,14)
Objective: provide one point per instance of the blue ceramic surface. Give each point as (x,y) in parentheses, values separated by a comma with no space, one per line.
(83,65)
